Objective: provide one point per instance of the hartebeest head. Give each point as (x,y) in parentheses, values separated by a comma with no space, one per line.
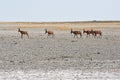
(46,31)
(71,31)
(84,31)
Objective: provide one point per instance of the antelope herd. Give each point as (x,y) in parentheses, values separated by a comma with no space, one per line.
(89,33)
(92,32)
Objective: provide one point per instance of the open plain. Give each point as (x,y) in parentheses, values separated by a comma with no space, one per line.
(62,57)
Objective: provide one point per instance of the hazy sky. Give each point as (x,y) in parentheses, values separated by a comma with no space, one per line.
(59,10)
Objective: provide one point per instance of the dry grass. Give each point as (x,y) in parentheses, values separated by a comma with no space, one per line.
(62,25)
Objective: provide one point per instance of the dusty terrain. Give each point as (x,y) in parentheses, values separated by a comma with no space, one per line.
(62,57)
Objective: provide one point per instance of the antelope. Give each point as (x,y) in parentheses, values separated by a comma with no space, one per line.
(88,32)
(97,32)
(76,33)
(23,33)
(49,33)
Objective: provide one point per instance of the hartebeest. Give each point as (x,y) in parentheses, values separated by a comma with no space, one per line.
(88,32)
(76,33)
(50,33)
(97,32)
(23,33)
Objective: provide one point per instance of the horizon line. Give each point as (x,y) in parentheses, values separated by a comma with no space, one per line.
(58,21)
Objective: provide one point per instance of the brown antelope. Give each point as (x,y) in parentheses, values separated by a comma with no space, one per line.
(76,33)
(97,32)
(49,33)
(88,32)
(23,33)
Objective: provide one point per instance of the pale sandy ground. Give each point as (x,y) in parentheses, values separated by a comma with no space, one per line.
(60,58)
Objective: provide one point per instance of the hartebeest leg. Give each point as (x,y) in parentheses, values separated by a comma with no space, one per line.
(77,36)
(48,35)
(88,35)
(27,35)
(74,36)
(100,35)
(21,36)
(80,35)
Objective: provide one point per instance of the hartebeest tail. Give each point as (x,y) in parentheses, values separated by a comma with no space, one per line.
(23,33)
(76,33)
(50,33)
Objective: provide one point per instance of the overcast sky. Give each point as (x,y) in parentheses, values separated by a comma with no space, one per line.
(59,10)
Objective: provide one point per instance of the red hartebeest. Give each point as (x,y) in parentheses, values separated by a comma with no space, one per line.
(76,33)
(23,33)
(97,32)
(88,32)
(49,33)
